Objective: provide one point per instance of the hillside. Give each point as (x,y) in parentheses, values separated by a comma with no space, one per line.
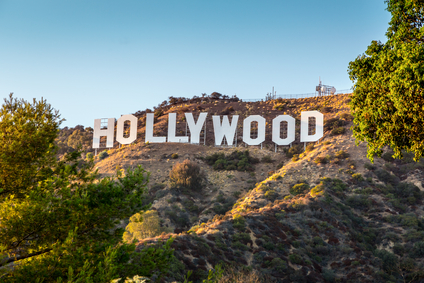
(324,214)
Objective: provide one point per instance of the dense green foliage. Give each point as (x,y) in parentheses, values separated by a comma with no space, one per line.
(237,160)
(58,220)
(388,98)
(71,139)
(143,225)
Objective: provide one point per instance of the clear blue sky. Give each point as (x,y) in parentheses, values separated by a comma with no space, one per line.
(102,59)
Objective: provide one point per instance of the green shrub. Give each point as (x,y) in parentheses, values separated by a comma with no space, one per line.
(271,194)
(388,156)
(103,154)
(338,131)
(239,246)
(418,249)
(342,154)
(333,123)
(358,201)
(158,113)
(190,206)
(237,160)
(398,249)
(386,177)
(143,225)
(269,245)
(174,156)
(320,160)
(278,264)
(267,159)
(187,175)
(346,116)
(299,189)
(279,106)
(295,158)
(317,190)
(295,258)
(89,156)
(357,177)
(389,260)
(294,149)
(238,222)
(370,166)
(329,275)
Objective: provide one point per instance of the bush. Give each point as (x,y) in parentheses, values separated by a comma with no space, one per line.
(103,154)
(267,159)
(329,275)
(143,225)
(279,264)
(357,177)
(317,190)
(238,222)
(333,123)
(295,149)
(388,156)
(187,175)
(174,156)
(299,189)
(294,258)
(342,154)
(279,106)
(386,177)
(418,249)
(89,155)
(158,113)
(358,201)
(271,194)
(389,260)
(320,160)
(338,131)
(237,160)
(346,116)
(370,166)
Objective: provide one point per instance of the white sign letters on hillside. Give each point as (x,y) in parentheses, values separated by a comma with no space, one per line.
(222,127)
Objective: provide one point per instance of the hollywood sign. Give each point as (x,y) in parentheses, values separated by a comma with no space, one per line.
(222,128)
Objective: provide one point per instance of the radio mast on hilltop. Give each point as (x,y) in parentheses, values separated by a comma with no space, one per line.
(324,89)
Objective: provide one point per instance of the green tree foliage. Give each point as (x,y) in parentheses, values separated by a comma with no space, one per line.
(388,98)
(143,225)
(237,160)
(58,220)
(71,139)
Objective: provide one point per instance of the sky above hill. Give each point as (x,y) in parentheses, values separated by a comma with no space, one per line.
(103,59)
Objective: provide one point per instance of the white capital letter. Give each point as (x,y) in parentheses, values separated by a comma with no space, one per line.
(225,129)
(195,128)
(276,126)
(304,126)
(149,130)
(172,127)
(101,133)
(261,129)
(120,129)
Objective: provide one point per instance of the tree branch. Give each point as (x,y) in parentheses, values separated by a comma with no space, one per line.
(20,257)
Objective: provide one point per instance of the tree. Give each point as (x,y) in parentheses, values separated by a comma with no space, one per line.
(57,218)
(388,97)
(188,175)
(143,225)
